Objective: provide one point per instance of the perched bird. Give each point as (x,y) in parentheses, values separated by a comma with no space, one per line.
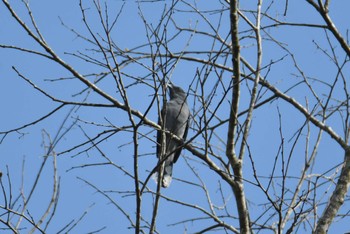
(176,120)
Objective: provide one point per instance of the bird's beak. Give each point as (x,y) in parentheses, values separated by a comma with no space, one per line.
(169,85)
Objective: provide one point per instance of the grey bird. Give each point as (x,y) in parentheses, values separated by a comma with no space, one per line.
(176,120)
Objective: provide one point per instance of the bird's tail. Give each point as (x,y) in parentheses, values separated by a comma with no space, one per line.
(167,176)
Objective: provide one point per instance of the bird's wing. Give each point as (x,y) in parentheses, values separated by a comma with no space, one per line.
(186,129)
(160,135)
(178,152)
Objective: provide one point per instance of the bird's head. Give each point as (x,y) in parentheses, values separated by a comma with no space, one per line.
(176,92)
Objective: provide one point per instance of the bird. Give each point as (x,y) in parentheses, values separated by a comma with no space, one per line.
(176,115)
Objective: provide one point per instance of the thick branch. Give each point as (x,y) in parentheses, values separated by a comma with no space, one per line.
(236,163)
(230,151)
(337,198)
(323,10)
